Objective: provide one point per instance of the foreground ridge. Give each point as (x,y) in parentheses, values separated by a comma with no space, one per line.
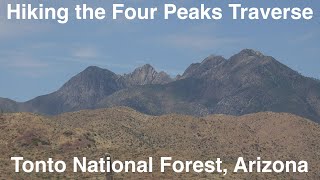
(130,135)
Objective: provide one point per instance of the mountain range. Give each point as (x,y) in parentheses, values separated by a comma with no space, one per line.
(247,82)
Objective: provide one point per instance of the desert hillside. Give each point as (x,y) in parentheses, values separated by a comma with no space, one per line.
(130,135)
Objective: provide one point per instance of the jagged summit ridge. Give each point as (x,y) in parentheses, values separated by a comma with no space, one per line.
(209,63)
(146,74)
(247,82)
(251,52)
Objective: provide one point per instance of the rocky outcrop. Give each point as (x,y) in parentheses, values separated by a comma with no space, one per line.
(146,75)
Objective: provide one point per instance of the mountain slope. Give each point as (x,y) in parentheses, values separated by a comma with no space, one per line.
(86,89)
(146,75)
(247,82)
(130,135)
(7,105)
(81,92)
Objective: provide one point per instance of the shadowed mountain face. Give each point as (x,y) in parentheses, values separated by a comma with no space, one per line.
(81,92)
(7,105)
(248,82)
(88,88)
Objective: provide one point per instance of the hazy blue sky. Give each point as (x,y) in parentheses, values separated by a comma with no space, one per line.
(37,57)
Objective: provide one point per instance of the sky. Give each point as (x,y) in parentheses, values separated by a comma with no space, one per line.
(38,57)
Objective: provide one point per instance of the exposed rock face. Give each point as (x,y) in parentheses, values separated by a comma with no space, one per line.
(82,91)
(90,85)
(88,88)
(248,82)
(146,75)
(207,64)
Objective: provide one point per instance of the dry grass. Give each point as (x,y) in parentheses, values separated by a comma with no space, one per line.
(127,134)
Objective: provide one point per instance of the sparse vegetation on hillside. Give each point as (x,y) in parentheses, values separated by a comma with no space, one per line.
(129,135)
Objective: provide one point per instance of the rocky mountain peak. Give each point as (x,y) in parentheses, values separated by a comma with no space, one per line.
(147,67)
(146,74)
(248,58)
(207,64)
(93,68)
(145,70)
(250,52)
(86,88)
(212,61)
(90,77)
